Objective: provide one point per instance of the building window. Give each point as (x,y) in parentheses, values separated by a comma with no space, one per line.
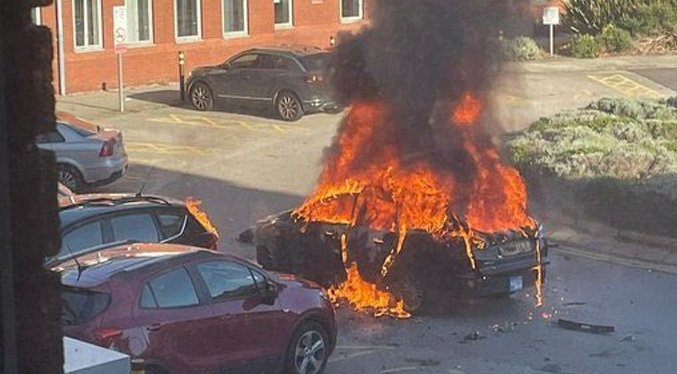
(235,17)
(139,21)
(188,20)
(87,24)
(283,12)
(36,16)
(351,10)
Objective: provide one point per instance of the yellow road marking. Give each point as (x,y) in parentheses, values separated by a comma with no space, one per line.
(226,124)
(168,149)
(625,85)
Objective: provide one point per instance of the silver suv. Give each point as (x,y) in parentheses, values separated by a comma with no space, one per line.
(86,154)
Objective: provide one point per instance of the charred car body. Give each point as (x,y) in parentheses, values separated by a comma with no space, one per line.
(425,268)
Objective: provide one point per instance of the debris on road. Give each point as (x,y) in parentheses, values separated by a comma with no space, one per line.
(246,236)
(584,327)
(576,303)
(629,338)
(423,362)
(473,336)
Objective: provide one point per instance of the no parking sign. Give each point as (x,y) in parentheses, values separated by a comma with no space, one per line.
(120,28)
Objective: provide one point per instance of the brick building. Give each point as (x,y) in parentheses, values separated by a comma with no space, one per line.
(208,31)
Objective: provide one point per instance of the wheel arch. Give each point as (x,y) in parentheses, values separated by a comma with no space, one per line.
(315,316)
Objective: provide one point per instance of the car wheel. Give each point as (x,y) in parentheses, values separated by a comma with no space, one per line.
(201,97)
(308,350)
(288,107)
(70,177)
(412,293)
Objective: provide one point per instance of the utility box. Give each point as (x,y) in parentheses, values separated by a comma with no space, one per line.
(85,358)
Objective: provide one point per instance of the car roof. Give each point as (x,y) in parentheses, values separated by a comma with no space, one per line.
(78,207)
(93,269)
(296,50)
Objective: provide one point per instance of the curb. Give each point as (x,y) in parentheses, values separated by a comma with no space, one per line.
(596,228)
(570,248)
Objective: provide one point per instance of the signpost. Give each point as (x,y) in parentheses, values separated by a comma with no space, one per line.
(551,18)
(120,40)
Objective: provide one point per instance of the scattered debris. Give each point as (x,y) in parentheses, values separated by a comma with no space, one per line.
(585,327)
(246,236)
(505,327)
(576,303)
(422,362)
(629,338)
(472,337)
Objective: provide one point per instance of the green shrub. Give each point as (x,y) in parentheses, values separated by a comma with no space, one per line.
(614,39)
(639,17)
(521,48)
(585,46)
(655,18)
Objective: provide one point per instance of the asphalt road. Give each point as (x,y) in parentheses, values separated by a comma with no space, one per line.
(665,76)
(246,167)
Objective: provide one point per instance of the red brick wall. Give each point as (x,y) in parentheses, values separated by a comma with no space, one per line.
(87,71)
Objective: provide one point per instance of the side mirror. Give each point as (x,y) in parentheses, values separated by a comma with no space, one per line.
(225,66)
(270,291)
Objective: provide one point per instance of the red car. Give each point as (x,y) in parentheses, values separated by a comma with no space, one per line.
(180,309)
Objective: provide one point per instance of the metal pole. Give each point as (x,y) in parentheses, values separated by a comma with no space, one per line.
(552,40)
(60,48)
(121,88)
(182,76)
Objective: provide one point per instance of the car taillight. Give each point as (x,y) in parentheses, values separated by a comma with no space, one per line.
(211,243)
(314,78)
(107,336)
(107,148)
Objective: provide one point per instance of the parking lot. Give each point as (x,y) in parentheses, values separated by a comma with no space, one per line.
(245,166)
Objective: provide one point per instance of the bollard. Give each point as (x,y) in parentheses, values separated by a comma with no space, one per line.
(182,76)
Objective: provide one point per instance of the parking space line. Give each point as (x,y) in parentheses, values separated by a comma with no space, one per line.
(426,368)
(625,85)
(227,124)
(167,149)
(361,351)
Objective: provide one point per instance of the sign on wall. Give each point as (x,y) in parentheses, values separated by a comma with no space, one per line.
(120,28)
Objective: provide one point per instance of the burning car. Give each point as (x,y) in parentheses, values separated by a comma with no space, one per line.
(417,268)
(391,232)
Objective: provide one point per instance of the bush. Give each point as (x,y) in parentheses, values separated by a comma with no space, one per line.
(639,17)
(614,39)
(616,159)
(585,46)
(521,48)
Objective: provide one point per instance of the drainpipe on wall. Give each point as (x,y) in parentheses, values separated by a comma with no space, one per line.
(59,41)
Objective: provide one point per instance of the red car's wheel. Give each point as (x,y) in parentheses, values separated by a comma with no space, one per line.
(308,350)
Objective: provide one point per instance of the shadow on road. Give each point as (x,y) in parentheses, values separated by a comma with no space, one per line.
(172,98)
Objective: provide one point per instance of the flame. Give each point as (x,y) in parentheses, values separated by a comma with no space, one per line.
(193,206)
(539,275)
(363,295)
(367,182)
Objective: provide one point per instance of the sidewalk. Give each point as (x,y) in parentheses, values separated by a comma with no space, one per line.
(100,105)
(568,64)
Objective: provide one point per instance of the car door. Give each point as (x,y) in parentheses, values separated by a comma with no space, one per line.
(272,71)
(248,318)
(234,82)
(176,322)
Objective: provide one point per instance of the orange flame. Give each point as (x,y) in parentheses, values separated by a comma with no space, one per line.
(363,295)
(193,206)
(366,181)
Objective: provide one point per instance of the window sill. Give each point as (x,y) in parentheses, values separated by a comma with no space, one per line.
(140,45)
(235,35)
(188,39)
(88,49)
(284,26)
(348,20)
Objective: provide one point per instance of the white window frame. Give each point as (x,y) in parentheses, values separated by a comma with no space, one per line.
(289,24)
(151,39)
(38,15)
(235,34)
(191,38)
(357,18)
(93,47)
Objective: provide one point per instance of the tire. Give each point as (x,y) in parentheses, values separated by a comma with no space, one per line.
(70,177)
(288,106)
(201,97)
(302,355)
(410,289)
